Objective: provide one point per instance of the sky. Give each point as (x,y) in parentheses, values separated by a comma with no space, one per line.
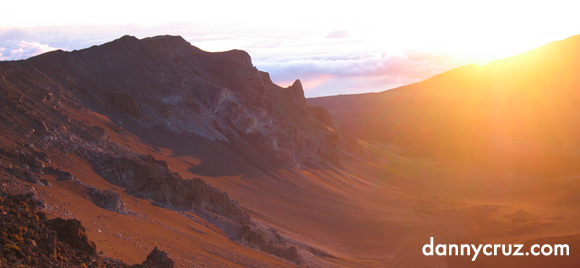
(332,47)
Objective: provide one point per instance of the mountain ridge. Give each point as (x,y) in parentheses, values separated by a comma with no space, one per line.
(99,106)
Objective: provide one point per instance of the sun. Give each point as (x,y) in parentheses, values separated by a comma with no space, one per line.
(475,32)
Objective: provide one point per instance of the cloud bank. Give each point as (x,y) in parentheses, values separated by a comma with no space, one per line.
(24,49)
(327,71)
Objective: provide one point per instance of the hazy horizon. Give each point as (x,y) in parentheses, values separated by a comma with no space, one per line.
(332,49)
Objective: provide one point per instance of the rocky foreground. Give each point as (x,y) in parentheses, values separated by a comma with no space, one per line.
(30,239)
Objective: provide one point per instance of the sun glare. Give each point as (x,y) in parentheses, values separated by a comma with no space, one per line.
(479,33)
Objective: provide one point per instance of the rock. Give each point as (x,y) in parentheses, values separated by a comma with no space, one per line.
(72,233)
(145,177)
(45,182)
(156,259)
(24,175)
(296,93)
(291,253)
(108,199)
(42,156)
(270,241)
(30,162)
(61,174)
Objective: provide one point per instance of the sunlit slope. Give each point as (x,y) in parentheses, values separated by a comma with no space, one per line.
(527,105)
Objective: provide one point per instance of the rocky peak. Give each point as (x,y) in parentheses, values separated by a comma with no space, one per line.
(166,39)
(127,39)
(165,82)
(298,85)
(124,41)
(297,94)
(173,45)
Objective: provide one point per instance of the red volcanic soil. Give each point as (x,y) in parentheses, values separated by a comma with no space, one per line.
(380,213)
(188,239)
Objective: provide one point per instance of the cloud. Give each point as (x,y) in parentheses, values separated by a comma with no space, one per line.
(23,42)
(12,34)
(338,34)
(355,72)
(23,50)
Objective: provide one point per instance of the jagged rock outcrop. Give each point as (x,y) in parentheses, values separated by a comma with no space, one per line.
(296,93)
(145,177)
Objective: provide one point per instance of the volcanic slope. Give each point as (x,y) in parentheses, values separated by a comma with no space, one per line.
(73,132)
(503,135)
(150,143)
